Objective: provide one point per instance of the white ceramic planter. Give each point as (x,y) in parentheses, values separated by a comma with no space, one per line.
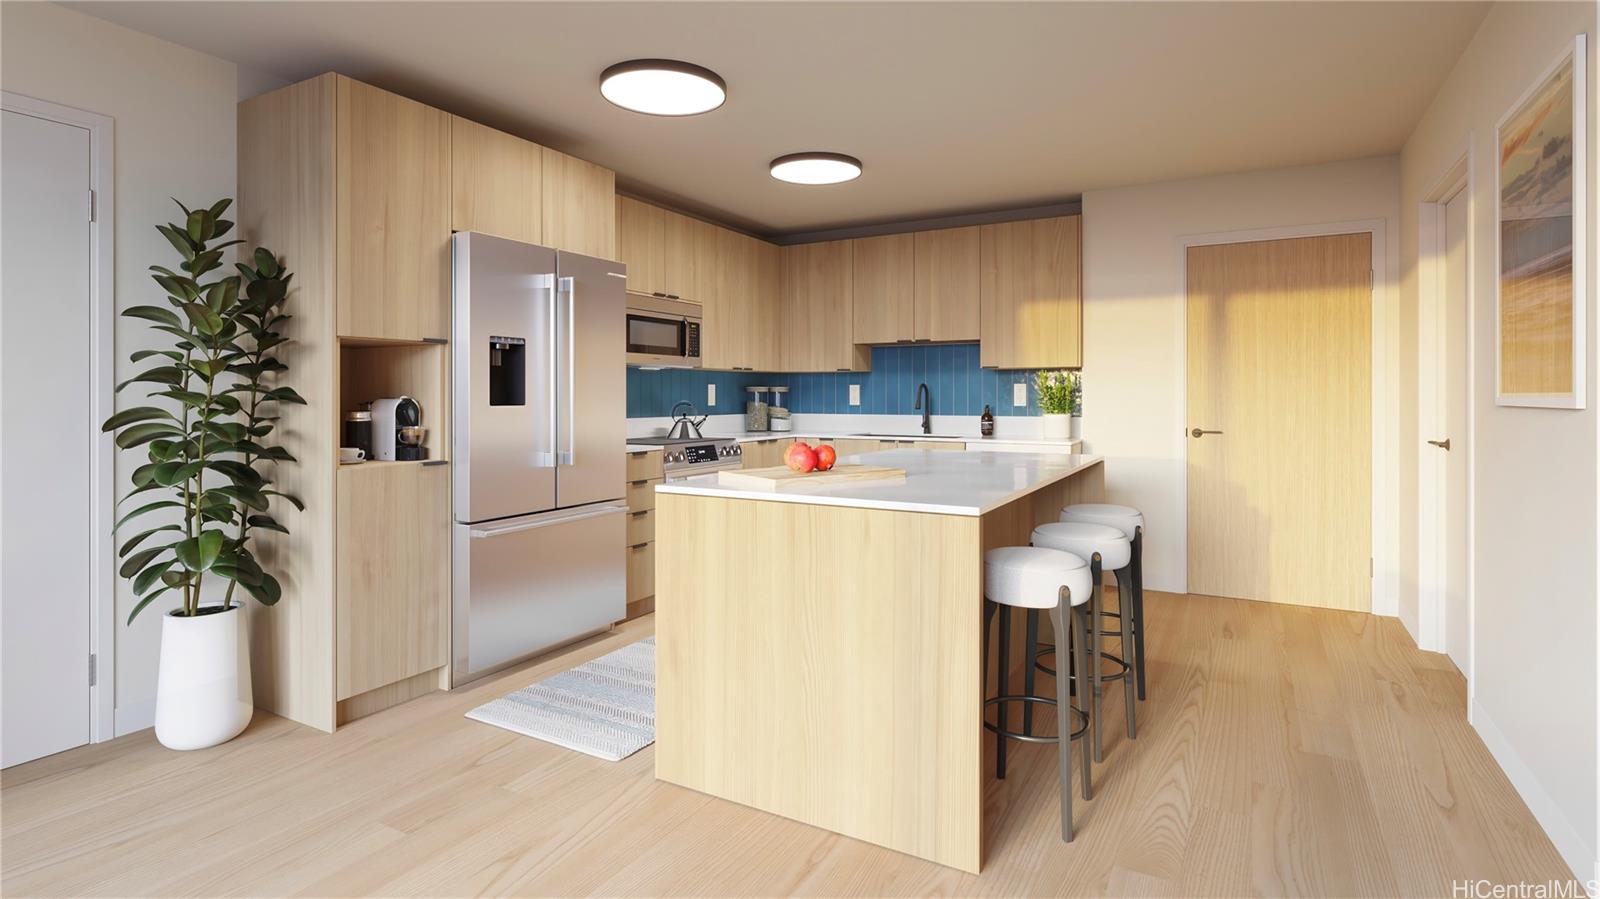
(1076,431)
(1055,427)
(203,692)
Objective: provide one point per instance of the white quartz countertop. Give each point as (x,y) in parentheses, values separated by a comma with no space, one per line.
(756,436)
(938,482)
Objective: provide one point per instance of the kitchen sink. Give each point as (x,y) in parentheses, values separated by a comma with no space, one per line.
(916,436)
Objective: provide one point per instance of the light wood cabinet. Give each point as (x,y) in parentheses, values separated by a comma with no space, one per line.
(579,212)
(817,314)
(883,308)
(644,473)
(392,195)
(394,567)
(946,284)
(496,182)
(641,245)
(690,258)
(1031,294)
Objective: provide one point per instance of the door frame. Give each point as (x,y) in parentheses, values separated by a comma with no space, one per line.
(102,402)
(1432,306)
(1383,403)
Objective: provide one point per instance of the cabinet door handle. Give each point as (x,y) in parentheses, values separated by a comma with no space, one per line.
(1198,432)
(640,545)
(1441,444)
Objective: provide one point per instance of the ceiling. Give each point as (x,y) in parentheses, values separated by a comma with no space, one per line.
(952,107)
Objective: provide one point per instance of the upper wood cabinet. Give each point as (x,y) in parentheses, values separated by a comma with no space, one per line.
(641,245)
(496,182)
(689,258)
(1031,293)
(580,208)
(883,308)
(946,284)
(817,314)
(392,215)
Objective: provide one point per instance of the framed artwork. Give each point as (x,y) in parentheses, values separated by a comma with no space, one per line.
(1540,208)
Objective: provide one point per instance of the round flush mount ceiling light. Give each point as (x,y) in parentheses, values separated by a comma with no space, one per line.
(665,87)
(816,168)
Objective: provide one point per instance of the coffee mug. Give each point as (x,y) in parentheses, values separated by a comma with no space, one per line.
(352,454)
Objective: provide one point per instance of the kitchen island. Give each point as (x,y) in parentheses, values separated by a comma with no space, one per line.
(819,653)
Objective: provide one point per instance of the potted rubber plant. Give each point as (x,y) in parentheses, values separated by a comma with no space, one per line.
(1059,395)
(207,486)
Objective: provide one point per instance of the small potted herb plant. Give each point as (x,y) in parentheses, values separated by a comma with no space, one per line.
(1060,395)
(207,486)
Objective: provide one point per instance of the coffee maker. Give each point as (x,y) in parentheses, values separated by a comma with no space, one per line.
(397,431)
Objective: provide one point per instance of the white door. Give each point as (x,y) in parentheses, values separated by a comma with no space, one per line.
(46,438)
(1453,415)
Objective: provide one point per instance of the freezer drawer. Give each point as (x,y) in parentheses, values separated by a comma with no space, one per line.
(524,585)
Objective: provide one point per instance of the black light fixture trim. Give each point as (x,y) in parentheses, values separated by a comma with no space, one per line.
(817,156)
(663,65)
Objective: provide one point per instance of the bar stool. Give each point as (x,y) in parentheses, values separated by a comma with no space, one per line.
(1106,548)
(1034,578)
(1130,583)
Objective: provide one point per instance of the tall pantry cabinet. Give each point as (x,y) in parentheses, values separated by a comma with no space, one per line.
(357,190)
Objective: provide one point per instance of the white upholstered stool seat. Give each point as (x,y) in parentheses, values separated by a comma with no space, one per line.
(1031,577)
(1084,539)
(1124,518)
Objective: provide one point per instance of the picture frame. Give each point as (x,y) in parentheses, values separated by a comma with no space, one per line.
(1541,248)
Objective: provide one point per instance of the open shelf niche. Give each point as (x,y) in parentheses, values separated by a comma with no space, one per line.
(371,369)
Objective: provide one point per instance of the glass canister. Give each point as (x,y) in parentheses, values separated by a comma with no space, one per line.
(358,430)
(778,414)
(755,409)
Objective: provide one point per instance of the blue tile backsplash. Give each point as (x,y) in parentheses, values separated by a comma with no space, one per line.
(951,371)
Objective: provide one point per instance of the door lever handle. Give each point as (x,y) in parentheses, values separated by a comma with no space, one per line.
(1199,431)
(1441,444)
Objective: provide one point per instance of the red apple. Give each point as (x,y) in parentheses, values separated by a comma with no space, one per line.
(826,457)
(800,457)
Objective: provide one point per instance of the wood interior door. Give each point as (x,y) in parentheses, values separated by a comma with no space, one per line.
(1279,390)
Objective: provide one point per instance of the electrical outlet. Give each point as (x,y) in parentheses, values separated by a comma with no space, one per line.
(855,394)
(1019,395)
(711,394)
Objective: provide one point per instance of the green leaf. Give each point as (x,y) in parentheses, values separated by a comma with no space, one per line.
(140,538)
(178,287)
(179,240)
(204,262)
(209,368)
(236,471)
(286,395)
(155,314)
(144,433)
(219,207)
(142,355)
(206,321)
(266,263)
(186,397)
(170,474)
(293,500)
(196,225)
(268,592)
(151,575)
(255,499)
(197,553)
(137,413)
(147,507)
(267,522)
(139,607)
(165,374)
(140,559)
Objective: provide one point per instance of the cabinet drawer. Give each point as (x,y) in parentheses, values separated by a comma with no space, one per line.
(644,466)
(641,527)
(642,495)
(641,572)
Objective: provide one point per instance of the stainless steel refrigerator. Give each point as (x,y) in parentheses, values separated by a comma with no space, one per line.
(538,434)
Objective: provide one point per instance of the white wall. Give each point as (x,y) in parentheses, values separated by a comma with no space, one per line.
(175,137)
(1133,318)
(1534,640)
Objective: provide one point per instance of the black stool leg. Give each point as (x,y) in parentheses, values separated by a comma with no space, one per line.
(1063,712)
(1031,653)
(1001,717)
(1080,657)
(1138,607)
(1125,619)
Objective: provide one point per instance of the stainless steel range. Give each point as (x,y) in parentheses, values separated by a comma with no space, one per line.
(683,457)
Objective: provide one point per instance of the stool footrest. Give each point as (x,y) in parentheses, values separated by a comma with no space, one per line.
(1078,731)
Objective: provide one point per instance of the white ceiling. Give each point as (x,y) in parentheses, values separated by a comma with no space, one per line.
(952,107)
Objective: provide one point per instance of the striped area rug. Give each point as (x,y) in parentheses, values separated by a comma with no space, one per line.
(605,708)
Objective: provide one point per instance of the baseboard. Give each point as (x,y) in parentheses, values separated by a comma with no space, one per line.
(134,716)
(1578,856)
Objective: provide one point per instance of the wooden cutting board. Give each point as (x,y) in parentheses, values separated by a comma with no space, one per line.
(779,478)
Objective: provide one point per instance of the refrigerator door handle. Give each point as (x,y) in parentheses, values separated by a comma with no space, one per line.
(549,459)
(569,456)
(543,521)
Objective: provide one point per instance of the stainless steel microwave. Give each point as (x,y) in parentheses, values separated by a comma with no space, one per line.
(663,332)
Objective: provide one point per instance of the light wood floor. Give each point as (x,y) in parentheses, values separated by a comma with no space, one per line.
(1283,750)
